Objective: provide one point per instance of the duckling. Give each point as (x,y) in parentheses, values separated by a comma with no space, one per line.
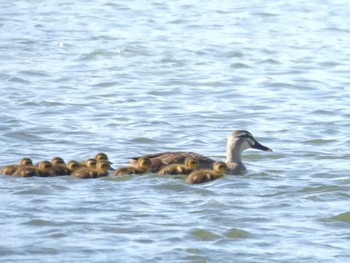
(59,166)
(11,168)
(188,167)
(143,166)
(45,169)
(102,168)
(72,166)
(237,142)
(26,171)
(92,172)
(91,163)
(102,156)
(202,176)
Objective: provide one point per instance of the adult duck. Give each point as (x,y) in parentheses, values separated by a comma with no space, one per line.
(237,142)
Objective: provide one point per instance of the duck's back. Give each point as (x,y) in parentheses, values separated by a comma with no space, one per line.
(160,160)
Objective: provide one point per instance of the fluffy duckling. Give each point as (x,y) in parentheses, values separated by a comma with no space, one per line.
(45,169)
(102,156)
(202,176)
(72,166)
(102,168)
(11,168)
(143,166)
(188,167)
(59,166)
(90,163)
(90,171)
(26,171)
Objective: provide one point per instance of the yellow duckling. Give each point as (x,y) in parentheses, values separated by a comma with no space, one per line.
(11,168)
(90,163)
(102,168)
(26,171)
(72,166)
(93,170)
(202,176)
(45,169)
(143,166)
(59,166)
(102,156)
(188,167)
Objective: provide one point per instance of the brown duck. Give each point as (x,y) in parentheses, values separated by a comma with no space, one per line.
(237,142)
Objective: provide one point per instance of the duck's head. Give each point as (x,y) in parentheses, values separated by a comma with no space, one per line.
(244,140)
(103,165)
(44,165)
(144,163)
(73,165)
(57,161)
(220,167)
(191,162)
(26,162)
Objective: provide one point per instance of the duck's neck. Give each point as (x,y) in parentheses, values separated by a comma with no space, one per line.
(233,158)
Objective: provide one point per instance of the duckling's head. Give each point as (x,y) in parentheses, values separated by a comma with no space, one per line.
(101,156)
(241,140)
(73,165)
(103,165)
(57,161)
(44,165)
(26,162)
(91,163)
(220,167)
(191,162)
(144,163)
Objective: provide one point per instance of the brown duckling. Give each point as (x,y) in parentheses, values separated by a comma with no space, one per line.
(90,171)
(90,163)
(72,166)
(102,156)
(143,166)
(45,169)
(188,167)
(11,168)
(26,171)
(59,166)
(202,176)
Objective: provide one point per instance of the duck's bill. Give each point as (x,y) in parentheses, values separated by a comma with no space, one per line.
(261,147)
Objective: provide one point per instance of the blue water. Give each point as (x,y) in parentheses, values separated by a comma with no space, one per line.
(136,77)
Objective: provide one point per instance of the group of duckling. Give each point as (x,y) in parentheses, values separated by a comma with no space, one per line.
(100,166)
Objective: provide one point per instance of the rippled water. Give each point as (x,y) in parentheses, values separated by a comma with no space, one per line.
(136,77)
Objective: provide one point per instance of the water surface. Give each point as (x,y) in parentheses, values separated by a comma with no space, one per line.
(135,77)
